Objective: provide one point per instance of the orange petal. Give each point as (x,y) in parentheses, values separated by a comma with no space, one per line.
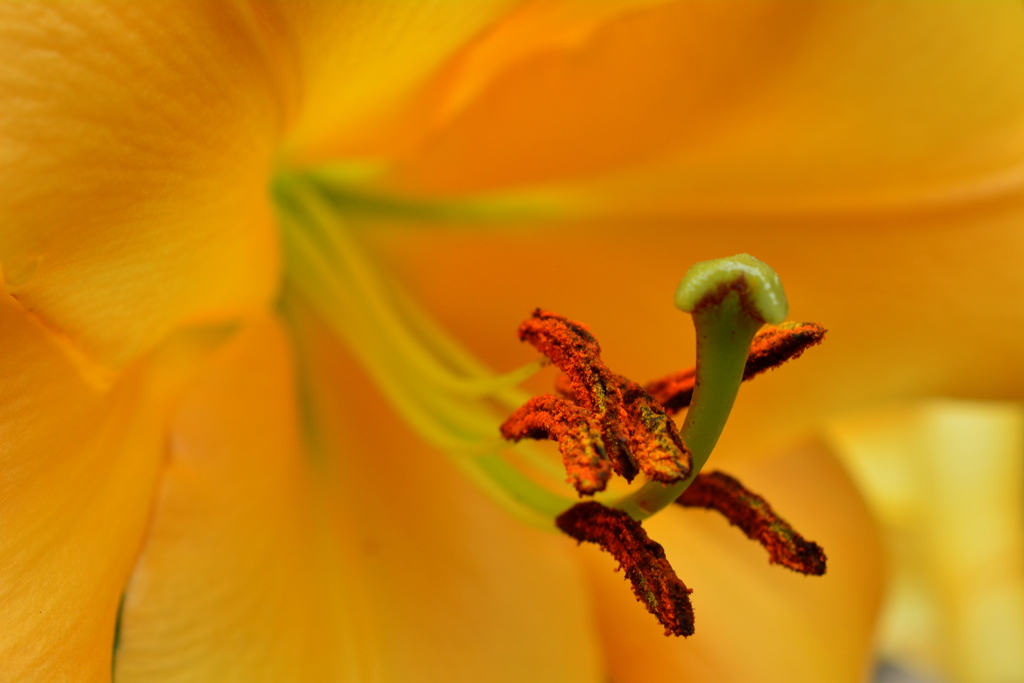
(137,147)
(459,590)
(360,61)
(703,107)
(756,621)
(365,66)
(232,582)
(78,467)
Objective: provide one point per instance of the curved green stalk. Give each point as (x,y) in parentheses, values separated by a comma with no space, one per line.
(730,300)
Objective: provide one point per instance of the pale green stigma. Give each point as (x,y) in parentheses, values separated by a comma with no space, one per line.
(759,286)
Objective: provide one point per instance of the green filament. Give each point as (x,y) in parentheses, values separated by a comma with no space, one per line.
(451,399)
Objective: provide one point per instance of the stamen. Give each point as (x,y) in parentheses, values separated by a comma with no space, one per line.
(643,561)
(635,433)
(571,347)
(771,348)
(755,517)
(653,437)
(578,435)
(778,344)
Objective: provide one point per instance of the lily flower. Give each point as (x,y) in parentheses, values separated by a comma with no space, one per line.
(233,446)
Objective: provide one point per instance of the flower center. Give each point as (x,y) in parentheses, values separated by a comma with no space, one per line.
(604,423)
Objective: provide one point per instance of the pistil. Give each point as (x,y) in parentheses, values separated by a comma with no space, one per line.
(730,300)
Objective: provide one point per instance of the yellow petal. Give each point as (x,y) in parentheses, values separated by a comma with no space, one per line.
(705,107)
(137,142)
(78,467)
(947,481)
(232,581)
(755,621)
(460,591)
(359,62)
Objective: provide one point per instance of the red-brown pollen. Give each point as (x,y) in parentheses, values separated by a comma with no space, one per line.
(602,420)
(641,559)
(755,517)
(578,435)
(773,346)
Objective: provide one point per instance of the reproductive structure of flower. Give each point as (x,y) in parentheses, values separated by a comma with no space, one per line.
(606,423)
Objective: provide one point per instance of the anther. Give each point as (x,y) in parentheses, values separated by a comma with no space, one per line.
(573,349)
(641,559)
(577,433)
(635,433)
(771,347)
(653,438)
(755,518)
